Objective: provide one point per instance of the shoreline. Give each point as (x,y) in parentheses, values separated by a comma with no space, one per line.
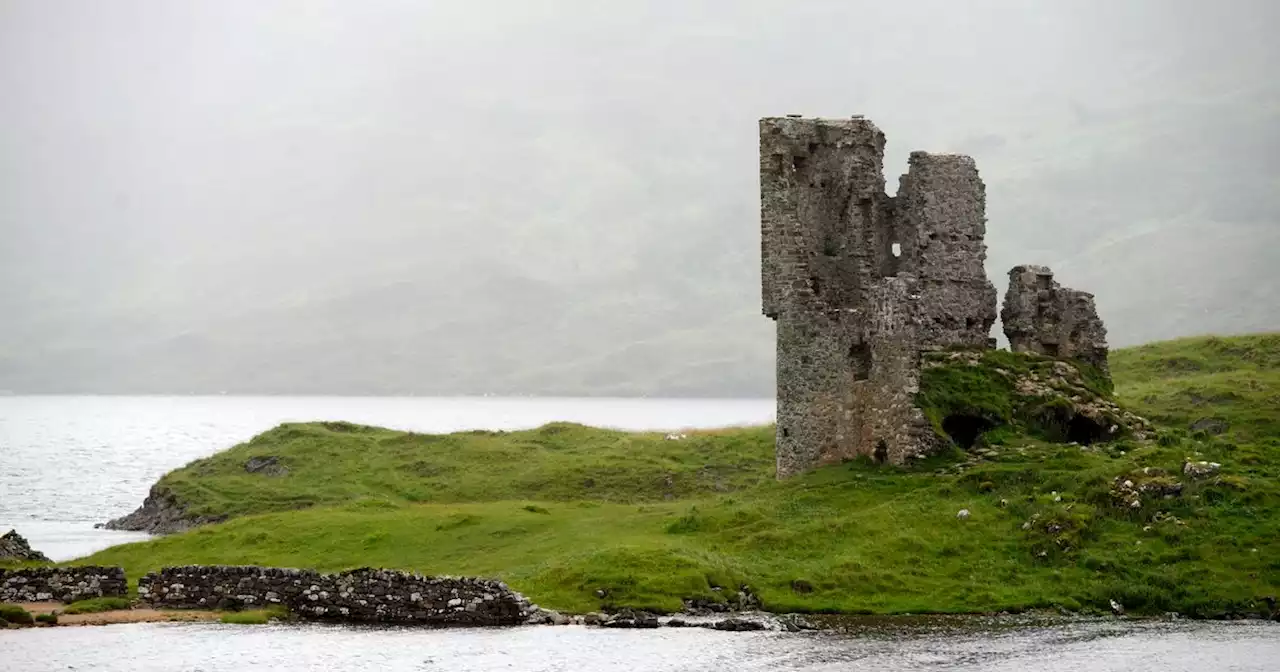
(745,621)
(118,616)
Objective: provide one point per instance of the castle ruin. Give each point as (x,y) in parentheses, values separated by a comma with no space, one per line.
(862,283)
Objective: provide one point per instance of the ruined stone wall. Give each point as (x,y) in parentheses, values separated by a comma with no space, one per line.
(368,595)
(822,204)
(62,584)
(860,283)
(826,243)
(941,218)
(1040,316)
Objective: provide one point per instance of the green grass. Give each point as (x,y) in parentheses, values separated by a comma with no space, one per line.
(12,613)
(1235,379)
(1045,527)
(10,563)
(48,619)
(97,604)
(255,616)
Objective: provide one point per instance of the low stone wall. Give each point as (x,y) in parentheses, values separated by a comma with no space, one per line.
(63,584)
(223,587)
(367,595)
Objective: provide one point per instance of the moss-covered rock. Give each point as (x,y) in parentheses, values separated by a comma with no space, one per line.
(15,614)
(967,393)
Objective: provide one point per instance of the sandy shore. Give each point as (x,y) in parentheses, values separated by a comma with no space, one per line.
(120,615)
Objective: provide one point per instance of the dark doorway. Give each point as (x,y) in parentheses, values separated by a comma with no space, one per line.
(882,452)
(1065,425)
(1085,431)
(964,430)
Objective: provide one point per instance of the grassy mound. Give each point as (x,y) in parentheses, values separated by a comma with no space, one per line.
(255,616)
(1048,523)
(1215,386)
(96,605)
(12,613)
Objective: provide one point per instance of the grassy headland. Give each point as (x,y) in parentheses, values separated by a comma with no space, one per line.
(567,513)
(336,462)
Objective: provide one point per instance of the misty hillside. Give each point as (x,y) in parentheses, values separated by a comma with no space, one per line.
(488,197)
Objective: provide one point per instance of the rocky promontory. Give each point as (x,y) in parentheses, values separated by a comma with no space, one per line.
(160,513)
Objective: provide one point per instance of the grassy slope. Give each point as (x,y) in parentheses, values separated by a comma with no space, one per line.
(331,463)
(865,538)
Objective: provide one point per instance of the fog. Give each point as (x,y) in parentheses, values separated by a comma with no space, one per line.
(560,197)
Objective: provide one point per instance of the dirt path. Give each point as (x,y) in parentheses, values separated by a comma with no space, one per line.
(120,615)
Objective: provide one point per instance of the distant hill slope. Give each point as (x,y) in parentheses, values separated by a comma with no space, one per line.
(1229,385)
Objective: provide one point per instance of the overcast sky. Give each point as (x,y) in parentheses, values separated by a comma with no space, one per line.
(162,161)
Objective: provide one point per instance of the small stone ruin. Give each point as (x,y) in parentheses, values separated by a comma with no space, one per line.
(14,547)
(1042,317)
(861,284)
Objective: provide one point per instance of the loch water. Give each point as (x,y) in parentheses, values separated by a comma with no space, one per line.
(67,463)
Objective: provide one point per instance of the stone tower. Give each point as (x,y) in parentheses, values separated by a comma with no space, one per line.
(860,283)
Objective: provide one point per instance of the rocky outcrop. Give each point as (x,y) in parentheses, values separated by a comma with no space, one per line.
(1042,317)
(743,600)
(361,595)
(631,620)
(64,584)
(1200,469)
(160,513)
(268,465)
(14,547)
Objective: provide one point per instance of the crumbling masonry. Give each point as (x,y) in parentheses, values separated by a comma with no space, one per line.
(861,283)
(1043,317)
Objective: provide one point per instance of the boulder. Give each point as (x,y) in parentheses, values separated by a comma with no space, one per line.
(268,465)
(1210,426)
(1200,469)
(738,625)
